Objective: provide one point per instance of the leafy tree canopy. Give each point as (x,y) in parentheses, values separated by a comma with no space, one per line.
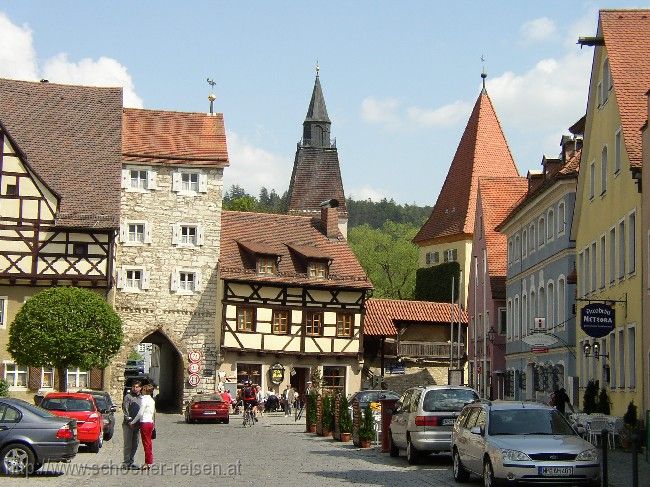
(434,283)
(388,256)
(65,327)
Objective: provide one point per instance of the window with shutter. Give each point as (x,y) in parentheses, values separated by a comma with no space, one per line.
(151,179)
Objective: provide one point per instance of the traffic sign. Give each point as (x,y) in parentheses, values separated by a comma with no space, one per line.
(539,349)
(194,356)
(540,323)
(194,380)
(193,368)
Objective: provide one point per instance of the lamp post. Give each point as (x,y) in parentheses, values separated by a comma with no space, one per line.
(593,350)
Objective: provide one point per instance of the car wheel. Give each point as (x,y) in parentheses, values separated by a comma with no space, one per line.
(488,474)
(226,421)
(412,454)
(394,449)
(17,459)
(109,434)
(460,474)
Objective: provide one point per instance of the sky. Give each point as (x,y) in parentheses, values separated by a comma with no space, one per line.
(399,78)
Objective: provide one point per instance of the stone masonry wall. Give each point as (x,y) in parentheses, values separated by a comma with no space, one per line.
(187,321)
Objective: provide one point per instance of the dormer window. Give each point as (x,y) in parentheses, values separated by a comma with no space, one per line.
(317,270)
(266,265)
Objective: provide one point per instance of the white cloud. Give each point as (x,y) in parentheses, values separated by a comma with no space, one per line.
(390,113)
(538,30)
(18,60)
(366,193)
(252,167)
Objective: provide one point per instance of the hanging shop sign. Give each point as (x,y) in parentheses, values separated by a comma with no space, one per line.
(597,319)
(277,373)
(539,340)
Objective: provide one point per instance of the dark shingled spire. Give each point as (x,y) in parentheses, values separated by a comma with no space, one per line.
(316,127)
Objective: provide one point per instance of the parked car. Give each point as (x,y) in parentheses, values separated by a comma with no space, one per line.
(369,396)
(106,408)
(515,442)
(83,408)
(207,407)
(31,436)
(424,418)
(134,367)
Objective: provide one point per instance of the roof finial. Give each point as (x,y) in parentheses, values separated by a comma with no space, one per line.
(483,73)
(212,96)
(317,68)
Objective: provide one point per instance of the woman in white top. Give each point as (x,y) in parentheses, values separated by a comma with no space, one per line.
(146,416)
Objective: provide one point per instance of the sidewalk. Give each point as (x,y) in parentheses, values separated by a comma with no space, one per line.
(620,469)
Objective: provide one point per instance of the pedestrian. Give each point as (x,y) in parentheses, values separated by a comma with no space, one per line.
(146,417)
(560,400)
(288,399)
(261,400)
(130,408)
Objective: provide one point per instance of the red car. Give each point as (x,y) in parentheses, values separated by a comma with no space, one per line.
(82,407)
(207,407)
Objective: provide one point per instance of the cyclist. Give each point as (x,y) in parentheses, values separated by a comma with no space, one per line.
(249,395)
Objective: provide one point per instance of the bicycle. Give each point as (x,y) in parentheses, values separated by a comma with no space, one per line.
(299,410)
(249,417)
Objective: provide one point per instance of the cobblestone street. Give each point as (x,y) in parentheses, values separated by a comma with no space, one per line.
(274,452)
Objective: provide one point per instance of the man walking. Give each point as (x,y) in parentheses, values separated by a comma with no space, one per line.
(288,399)
(130,407)
(561,401)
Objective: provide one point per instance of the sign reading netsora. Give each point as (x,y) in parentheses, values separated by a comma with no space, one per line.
(597,319)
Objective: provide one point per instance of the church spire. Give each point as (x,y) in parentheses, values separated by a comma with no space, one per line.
(316,127)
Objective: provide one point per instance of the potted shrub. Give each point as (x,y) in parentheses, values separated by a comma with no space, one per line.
(327,415)
(367,428)
(630,425)
(311,411)
(590,399)
(345,420)
(604,404)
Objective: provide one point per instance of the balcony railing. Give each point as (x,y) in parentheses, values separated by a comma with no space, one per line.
(433,350)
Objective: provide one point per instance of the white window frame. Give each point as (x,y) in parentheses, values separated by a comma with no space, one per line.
(613,358)
(594,267)
(550,225)
(606,80)
(604,168)
(631,356)
(561,302)
(532,235)
(4,300)
(541,224)
(511,251)
(517,248)
(15,374)
(509,320)
(618,151)
(186,281)
(77,374)
(561,218)
(524,312)
(550,305)
(613,258)
(524,243)
(201,185)
(592,180)
(176,285)
(603,261)
(622,372)
(51,373)
(631,242)
(622,249)
(123,282)
(125,233)
(177,234)
(517,315)
(150,182)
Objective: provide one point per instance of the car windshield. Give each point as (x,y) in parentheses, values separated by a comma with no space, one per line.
(448,399)
(101,402)
(212,397)
(35,409)
(67,404)
(528,422)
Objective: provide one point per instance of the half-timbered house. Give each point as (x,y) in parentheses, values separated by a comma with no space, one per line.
(59,203)
(292,301)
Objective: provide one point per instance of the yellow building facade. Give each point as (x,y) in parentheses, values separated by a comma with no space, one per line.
(606,229)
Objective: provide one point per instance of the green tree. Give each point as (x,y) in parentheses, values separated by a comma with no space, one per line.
(388,257)
(65,327)
(434,283)
(243,203)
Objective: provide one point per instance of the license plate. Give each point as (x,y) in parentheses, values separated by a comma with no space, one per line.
(209,412)
(448,421)
(556,471)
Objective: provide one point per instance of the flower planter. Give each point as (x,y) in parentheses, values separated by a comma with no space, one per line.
(326,432)
(346,437)
(312,428)
(365,443)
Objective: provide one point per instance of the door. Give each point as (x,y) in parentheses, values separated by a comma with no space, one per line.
(400,418)
(9,417)
(476,444)
(299,382)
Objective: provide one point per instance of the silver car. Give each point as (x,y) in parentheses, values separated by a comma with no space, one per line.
(424,417)
(508,442)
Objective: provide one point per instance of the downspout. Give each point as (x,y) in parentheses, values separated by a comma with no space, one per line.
(475,325)
(451,328)
(484,372)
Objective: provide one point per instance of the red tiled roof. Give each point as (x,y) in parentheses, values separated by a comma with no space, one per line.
(259,248)
(627,40)
(309,251)
(381,314)
(279,232)
(70,136)
(174,137)
(498,196)
(482,151)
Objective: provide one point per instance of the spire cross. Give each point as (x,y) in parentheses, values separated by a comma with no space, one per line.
(317,68)
(211,96)
(483,73)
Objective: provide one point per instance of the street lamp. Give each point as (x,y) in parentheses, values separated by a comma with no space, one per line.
(588,348)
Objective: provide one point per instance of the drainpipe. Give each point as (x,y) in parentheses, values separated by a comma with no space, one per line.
(461,292)
(484,324)
(475,324)
(451,326)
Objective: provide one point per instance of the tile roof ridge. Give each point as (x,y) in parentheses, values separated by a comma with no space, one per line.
(496,116)
(161,110)
(66,85)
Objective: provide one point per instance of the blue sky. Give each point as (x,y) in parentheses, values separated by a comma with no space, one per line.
(399,78)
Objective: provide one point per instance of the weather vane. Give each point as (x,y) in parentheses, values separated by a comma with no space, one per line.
(211,96)
(317,67)
(483,73)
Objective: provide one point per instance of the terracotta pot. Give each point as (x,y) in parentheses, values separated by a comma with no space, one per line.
(346,437)
(365,443)
(326,432)
(312,428)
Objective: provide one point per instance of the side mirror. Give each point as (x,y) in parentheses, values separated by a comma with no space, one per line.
(113,409)
(477,430)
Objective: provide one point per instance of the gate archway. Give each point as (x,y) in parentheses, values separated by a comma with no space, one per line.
(166,370)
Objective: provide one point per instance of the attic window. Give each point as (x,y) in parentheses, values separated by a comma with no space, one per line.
(317,270)
(266,265)
(12,190)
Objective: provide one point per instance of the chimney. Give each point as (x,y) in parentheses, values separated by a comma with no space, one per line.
(535,179)
(329,215)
